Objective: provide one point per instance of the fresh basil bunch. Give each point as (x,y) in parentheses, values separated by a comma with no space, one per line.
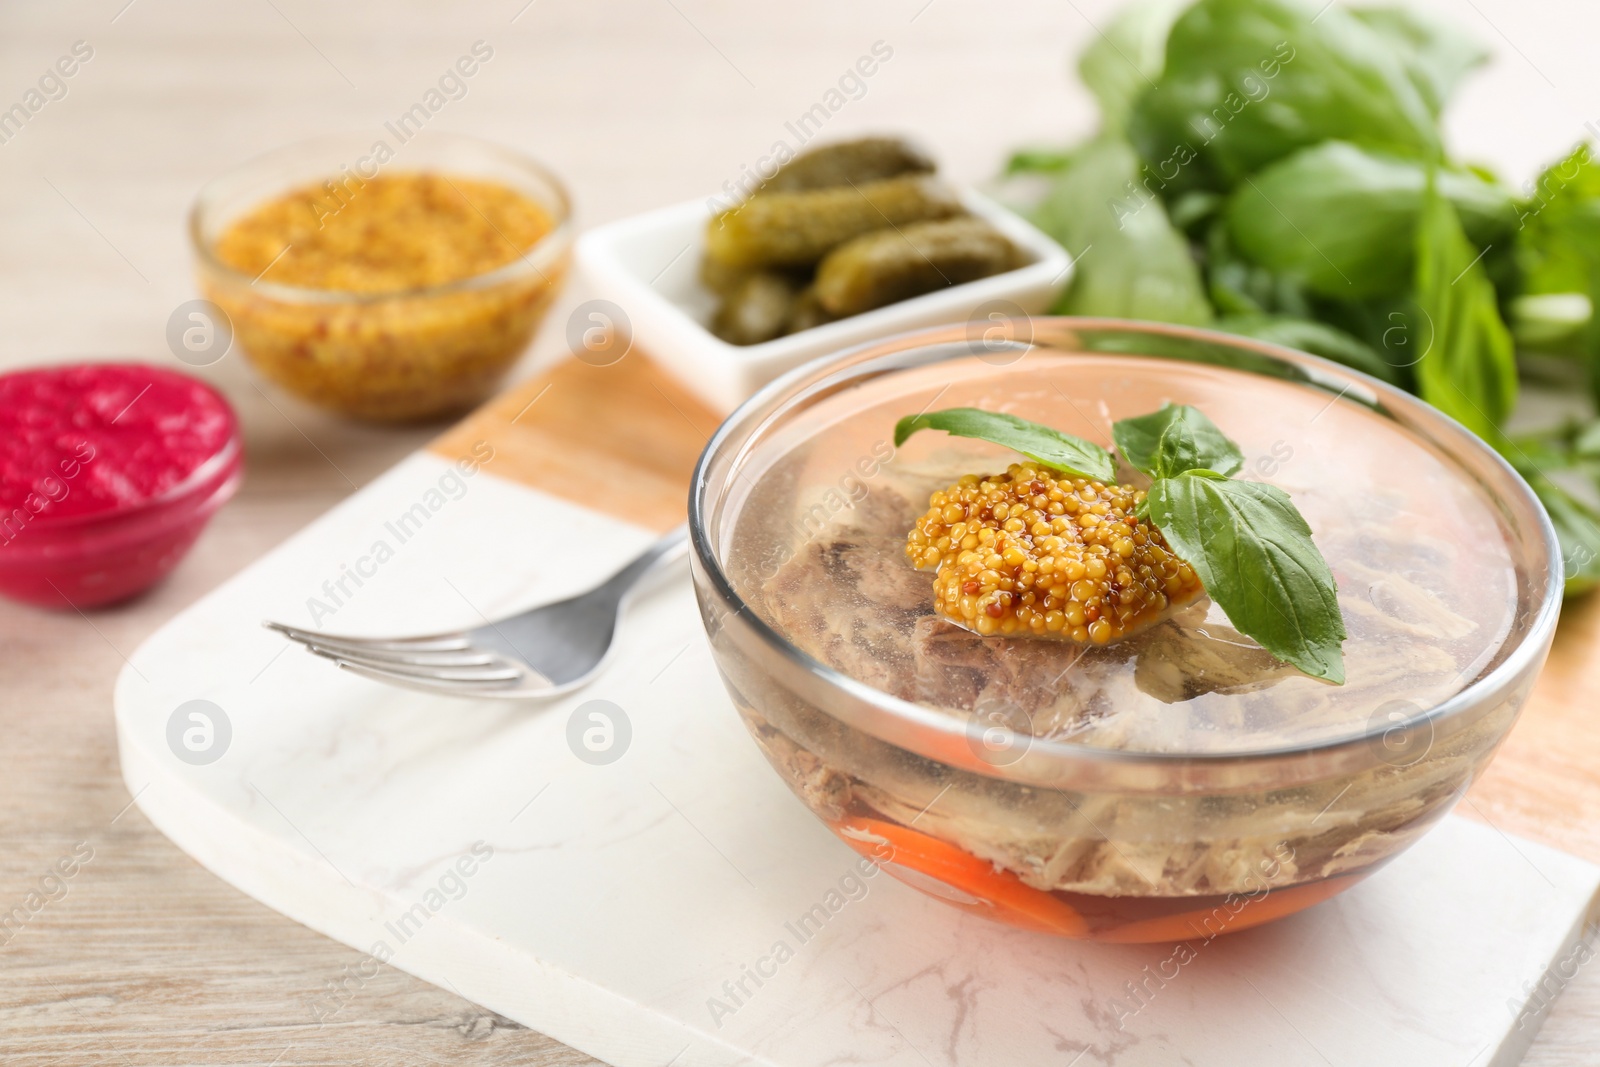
(1276,168)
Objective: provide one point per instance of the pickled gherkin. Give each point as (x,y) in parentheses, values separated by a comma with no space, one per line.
(796,229)
(839,230)
(721,278)
(896,264)
(869,159)
(808,311)
(756,310)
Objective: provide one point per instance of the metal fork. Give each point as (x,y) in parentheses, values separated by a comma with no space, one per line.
(538,654)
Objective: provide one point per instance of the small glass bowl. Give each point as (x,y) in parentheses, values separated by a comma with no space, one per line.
(949,807)
(102,557)
(402,356)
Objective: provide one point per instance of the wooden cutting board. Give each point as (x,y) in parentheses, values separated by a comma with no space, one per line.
(1544,784)
(620,439)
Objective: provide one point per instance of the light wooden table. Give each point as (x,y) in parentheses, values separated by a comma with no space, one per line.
(149,960)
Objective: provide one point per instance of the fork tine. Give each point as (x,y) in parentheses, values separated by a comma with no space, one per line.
(450,689)
(534,654)
(497,673)
(453,642)
(466,657)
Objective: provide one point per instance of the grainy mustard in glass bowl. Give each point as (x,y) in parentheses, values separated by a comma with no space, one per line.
(389,282)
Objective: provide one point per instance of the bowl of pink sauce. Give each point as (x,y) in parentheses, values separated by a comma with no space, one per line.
(108,473)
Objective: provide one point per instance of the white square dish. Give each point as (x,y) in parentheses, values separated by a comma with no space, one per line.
(649,265)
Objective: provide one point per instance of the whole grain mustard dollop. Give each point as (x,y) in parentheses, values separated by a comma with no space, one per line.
(387,234)
(1036,552)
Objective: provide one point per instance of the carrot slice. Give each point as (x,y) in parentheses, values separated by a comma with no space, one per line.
(957,877)
(1202,924)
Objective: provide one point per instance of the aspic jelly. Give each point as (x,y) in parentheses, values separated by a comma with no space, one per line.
(924,665)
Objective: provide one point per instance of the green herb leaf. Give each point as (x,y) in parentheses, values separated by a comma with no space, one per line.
(1317,338)
(1127,57)
(1570,449)
(1239,287)
(1436,54)
(1131,262)
(1551,323)
(1554,248)
(1341,219)
(1247,82)
(1586,441)
(1174,440)
(1577,529)
(1469,370)
(1254,554)
(1039,161)
(1558,257)
(1057,450)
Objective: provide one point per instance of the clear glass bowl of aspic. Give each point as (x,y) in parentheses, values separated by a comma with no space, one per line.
(1175,785)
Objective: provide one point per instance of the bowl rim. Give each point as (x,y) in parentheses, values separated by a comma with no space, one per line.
(544,253)
(940,728)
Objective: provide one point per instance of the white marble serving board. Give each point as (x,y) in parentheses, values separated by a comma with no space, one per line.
(618,907)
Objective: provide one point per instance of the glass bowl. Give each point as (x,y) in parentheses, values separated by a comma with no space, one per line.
(55,558)
(398,356)
(1045,831)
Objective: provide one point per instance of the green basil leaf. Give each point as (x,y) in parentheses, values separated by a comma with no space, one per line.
(1552,323)
(1569,445)
(1248,82)
(1468,369)
(1317,338)
(1057,450)
(1554,251)
(1038,161)
(1342,219)
(1192,212)
(1127,56)
(1131,263)
(1253,552)
(1558,257)
(1544,452)
(1569,448)
(1239,287)
(1178,438)
(1577,529)
(1436,54)
(1586,440)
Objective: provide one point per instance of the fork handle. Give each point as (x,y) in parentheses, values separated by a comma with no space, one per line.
(672,547)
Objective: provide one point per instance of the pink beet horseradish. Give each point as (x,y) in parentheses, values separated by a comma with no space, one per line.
(108,473)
